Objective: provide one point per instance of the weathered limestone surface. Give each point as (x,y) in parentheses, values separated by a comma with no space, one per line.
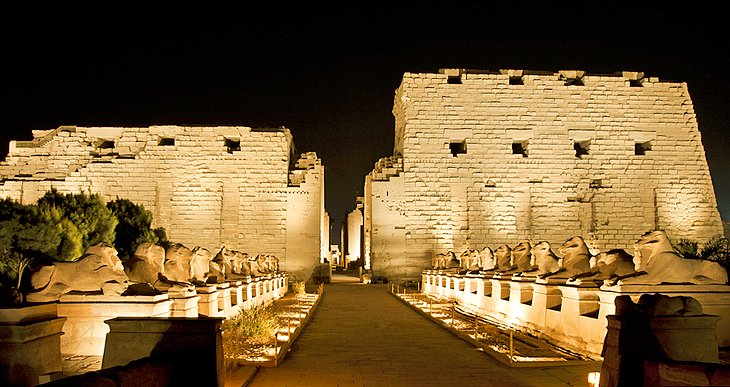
(208,186)
(354,224)
(30,345)
(484,160)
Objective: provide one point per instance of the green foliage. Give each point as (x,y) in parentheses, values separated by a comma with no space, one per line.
(716,249)
(94,222)
(133,228)
(26,232)
(256,325)
(162,238)
(687,248)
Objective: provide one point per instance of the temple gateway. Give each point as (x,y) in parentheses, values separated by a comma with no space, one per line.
(489,158)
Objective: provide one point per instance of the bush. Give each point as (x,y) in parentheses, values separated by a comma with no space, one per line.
(253,326)
(133,228)
(716,249)
(81,215)
(28,232)
(298,287)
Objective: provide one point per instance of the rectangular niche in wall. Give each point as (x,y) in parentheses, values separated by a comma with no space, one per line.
(457,148)
(581,148)
(640,148)
(105,144)
(519,148)
(454,79)
(233,145)
(166,141)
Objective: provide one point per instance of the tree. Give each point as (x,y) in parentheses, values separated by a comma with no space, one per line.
(80,215)
(28,232)
(133,228)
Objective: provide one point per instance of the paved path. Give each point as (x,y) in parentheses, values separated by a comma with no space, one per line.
(362,336)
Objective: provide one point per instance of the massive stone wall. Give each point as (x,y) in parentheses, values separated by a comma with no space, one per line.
(492,158)
(208,186)
(354,223)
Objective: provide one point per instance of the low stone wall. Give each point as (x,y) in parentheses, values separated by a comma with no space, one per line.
(573,315)
(85,329)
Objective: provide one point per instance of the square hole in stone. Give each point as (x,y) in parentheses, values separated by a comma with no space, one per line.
(519,148)
(106,144)
(581,148)
(233,145)
(640,148)
(574,82)
(516,81)
(454,80)
(457,148)
(166,141)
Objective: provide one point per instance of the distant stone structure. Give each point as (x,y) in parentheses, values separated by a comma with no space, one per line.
(208,186)
(487,158)
(352,232)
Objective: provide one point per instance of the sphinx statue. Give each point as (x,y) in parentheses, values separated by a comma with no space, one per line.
(576,257)
(450,263)
(548,264)
(503,254)
(230,265)
(240,264)
(522,258)
(178,268)
(221,265)
(264,264)
(486,259)
(98,270)
(146,271)
(612,265)
(658,305)
(441,259)
(146,265)
(200,265)
(469,261)
(657,262)
(436,262)
(272,263)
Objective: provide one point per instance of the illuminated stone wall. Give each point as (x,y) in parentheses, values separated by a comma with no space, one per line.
(354,232)
(494,158)
(385,228)
(208,186)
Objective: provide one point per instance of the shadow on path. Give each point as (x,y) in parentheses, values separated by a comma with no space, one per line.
(360,335)
(346,276)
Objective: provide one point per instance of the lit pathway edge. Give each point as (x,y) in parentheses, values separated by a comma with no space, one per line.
(441,311)
(244,371)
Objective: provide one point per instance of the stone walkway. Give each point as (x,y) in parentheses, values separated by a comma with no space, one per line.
(362,336)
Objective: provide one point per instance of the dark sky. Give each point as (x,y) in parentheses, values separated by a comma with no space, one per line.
(330,74)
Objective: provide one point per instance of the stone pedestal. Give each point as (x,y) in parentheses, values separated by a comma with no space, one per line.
(208,302)
(184,303)
(633,339)
(715,300)
(85,331)
(30,345)
(224,299)
(237,298)
(500,294)
(192,346)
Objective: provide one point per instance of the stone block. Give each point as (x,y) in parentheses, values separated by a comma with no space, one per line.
(30,347)
(85,330)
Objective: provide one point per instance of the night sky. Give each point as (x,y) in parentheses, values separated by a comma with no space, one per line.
(330,74)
